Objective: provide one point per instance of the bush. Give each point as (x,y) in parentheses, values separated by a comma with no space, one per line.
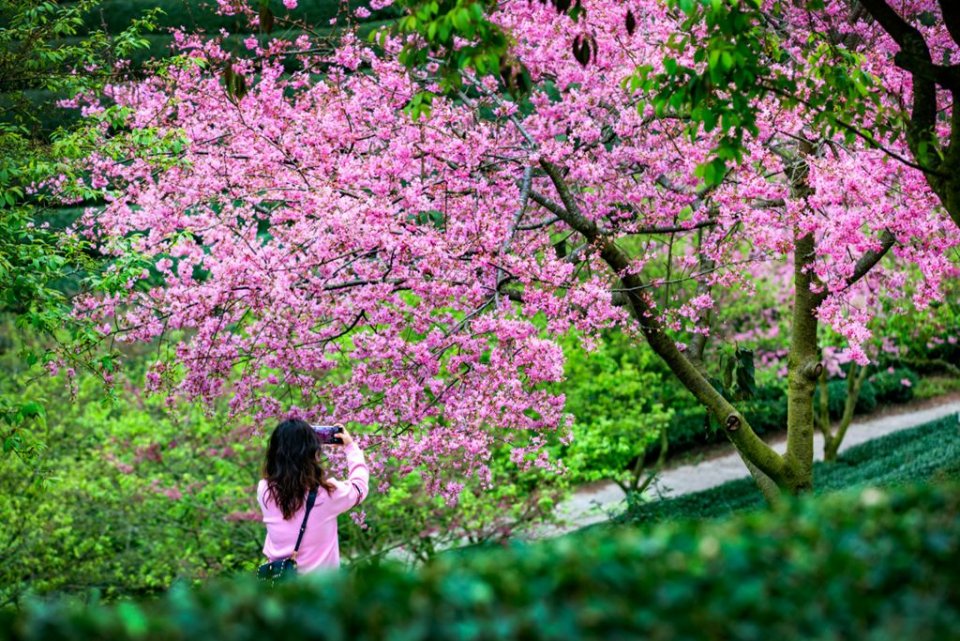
(934,386)
(616,395)
(890,387)
(927,452)
(837,398)
(690,427)
(768,411)
(859,565)
(867,400)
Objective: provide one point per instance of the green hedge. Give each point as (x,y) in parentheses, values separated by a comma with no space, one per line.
(871,565)
(928,452)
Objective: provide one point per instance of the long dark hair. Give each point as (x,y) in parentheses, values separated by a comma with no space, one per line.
(292,467)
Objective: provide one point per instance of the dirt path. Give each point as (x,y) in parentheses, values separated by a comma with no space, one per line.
(596,502)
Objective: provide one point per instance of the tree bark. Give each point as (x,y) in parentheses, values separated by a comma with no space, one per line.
(804,370)
(938,158)
(831,442)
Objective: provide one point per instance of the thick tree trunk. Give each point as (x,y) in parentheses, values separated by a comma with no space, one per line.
(764,462)
(804,371)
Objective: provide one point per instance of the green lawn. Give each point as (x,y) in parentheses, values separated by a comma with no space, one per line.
(927,452)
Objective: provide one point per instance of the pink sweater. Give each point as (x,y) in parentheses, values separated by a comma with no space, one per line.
(320,546)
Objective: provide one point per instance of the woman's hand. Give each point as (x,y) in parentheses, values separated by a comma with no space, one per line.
(345,436)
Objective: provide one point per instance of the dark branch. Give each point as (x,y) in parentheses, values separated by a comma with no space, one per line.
(540,225)
(548,204)
(951,16)
(872,257)
(914,56)
(362,282)
(674,229)
(570,212)
(899,29)
(562,214)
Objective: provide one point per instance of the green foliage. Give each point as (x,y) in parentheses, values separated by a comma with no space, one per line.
(931,346)
(123,498)
(837,398)
(409,519)
(737,60)
(927,452)
(885,566)
(731,53)
(615,395)
(737,55)
(42,46)
(691,426)
(889,384)
(933,386)
(882,387)
(438,23)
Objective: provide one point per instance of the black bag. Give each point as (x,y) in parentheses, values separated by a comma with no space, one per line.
(286,568)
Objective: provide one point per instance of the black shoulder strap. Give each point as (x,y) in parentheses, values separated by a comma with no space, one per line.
(311,499)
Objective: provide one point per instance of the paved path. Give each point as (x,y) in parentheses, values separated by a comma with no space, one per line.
(598,501)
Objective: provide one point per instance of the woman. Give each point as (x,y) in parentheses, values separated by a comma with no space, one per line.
(291,470)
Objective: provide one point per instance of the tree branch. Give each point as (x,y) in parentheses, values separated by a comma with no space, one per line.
(915,57)
(540,225)
(548,204)
(570,213)
(872,257)
(672,229)
(951,16)
(751,447)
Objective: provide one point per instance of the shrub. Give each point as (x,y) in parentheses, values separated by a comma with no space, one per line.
(867,400)
(890,384)
(869,564)
(768,411)
(837,398)
(690,427)
(616,395)
(933,386)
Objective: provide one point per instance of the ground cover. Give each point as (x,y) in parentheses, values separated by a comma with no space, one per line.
(927,452)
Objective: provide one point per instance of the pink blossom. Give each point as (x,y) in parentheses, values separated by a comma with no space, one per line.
(319,247)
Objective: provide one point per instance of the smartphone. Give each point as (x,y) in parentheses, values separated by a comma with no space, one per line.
(328,434)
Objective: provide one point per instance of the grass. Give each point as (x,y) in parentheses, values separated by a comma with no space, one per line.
(929,452)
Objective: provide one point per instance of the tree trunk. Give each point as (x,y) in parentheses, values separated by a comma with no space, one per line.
(831,442)
(805,369)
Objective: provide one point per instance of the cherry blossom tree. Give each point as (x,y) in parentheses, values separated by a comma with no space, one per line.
(307,245)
